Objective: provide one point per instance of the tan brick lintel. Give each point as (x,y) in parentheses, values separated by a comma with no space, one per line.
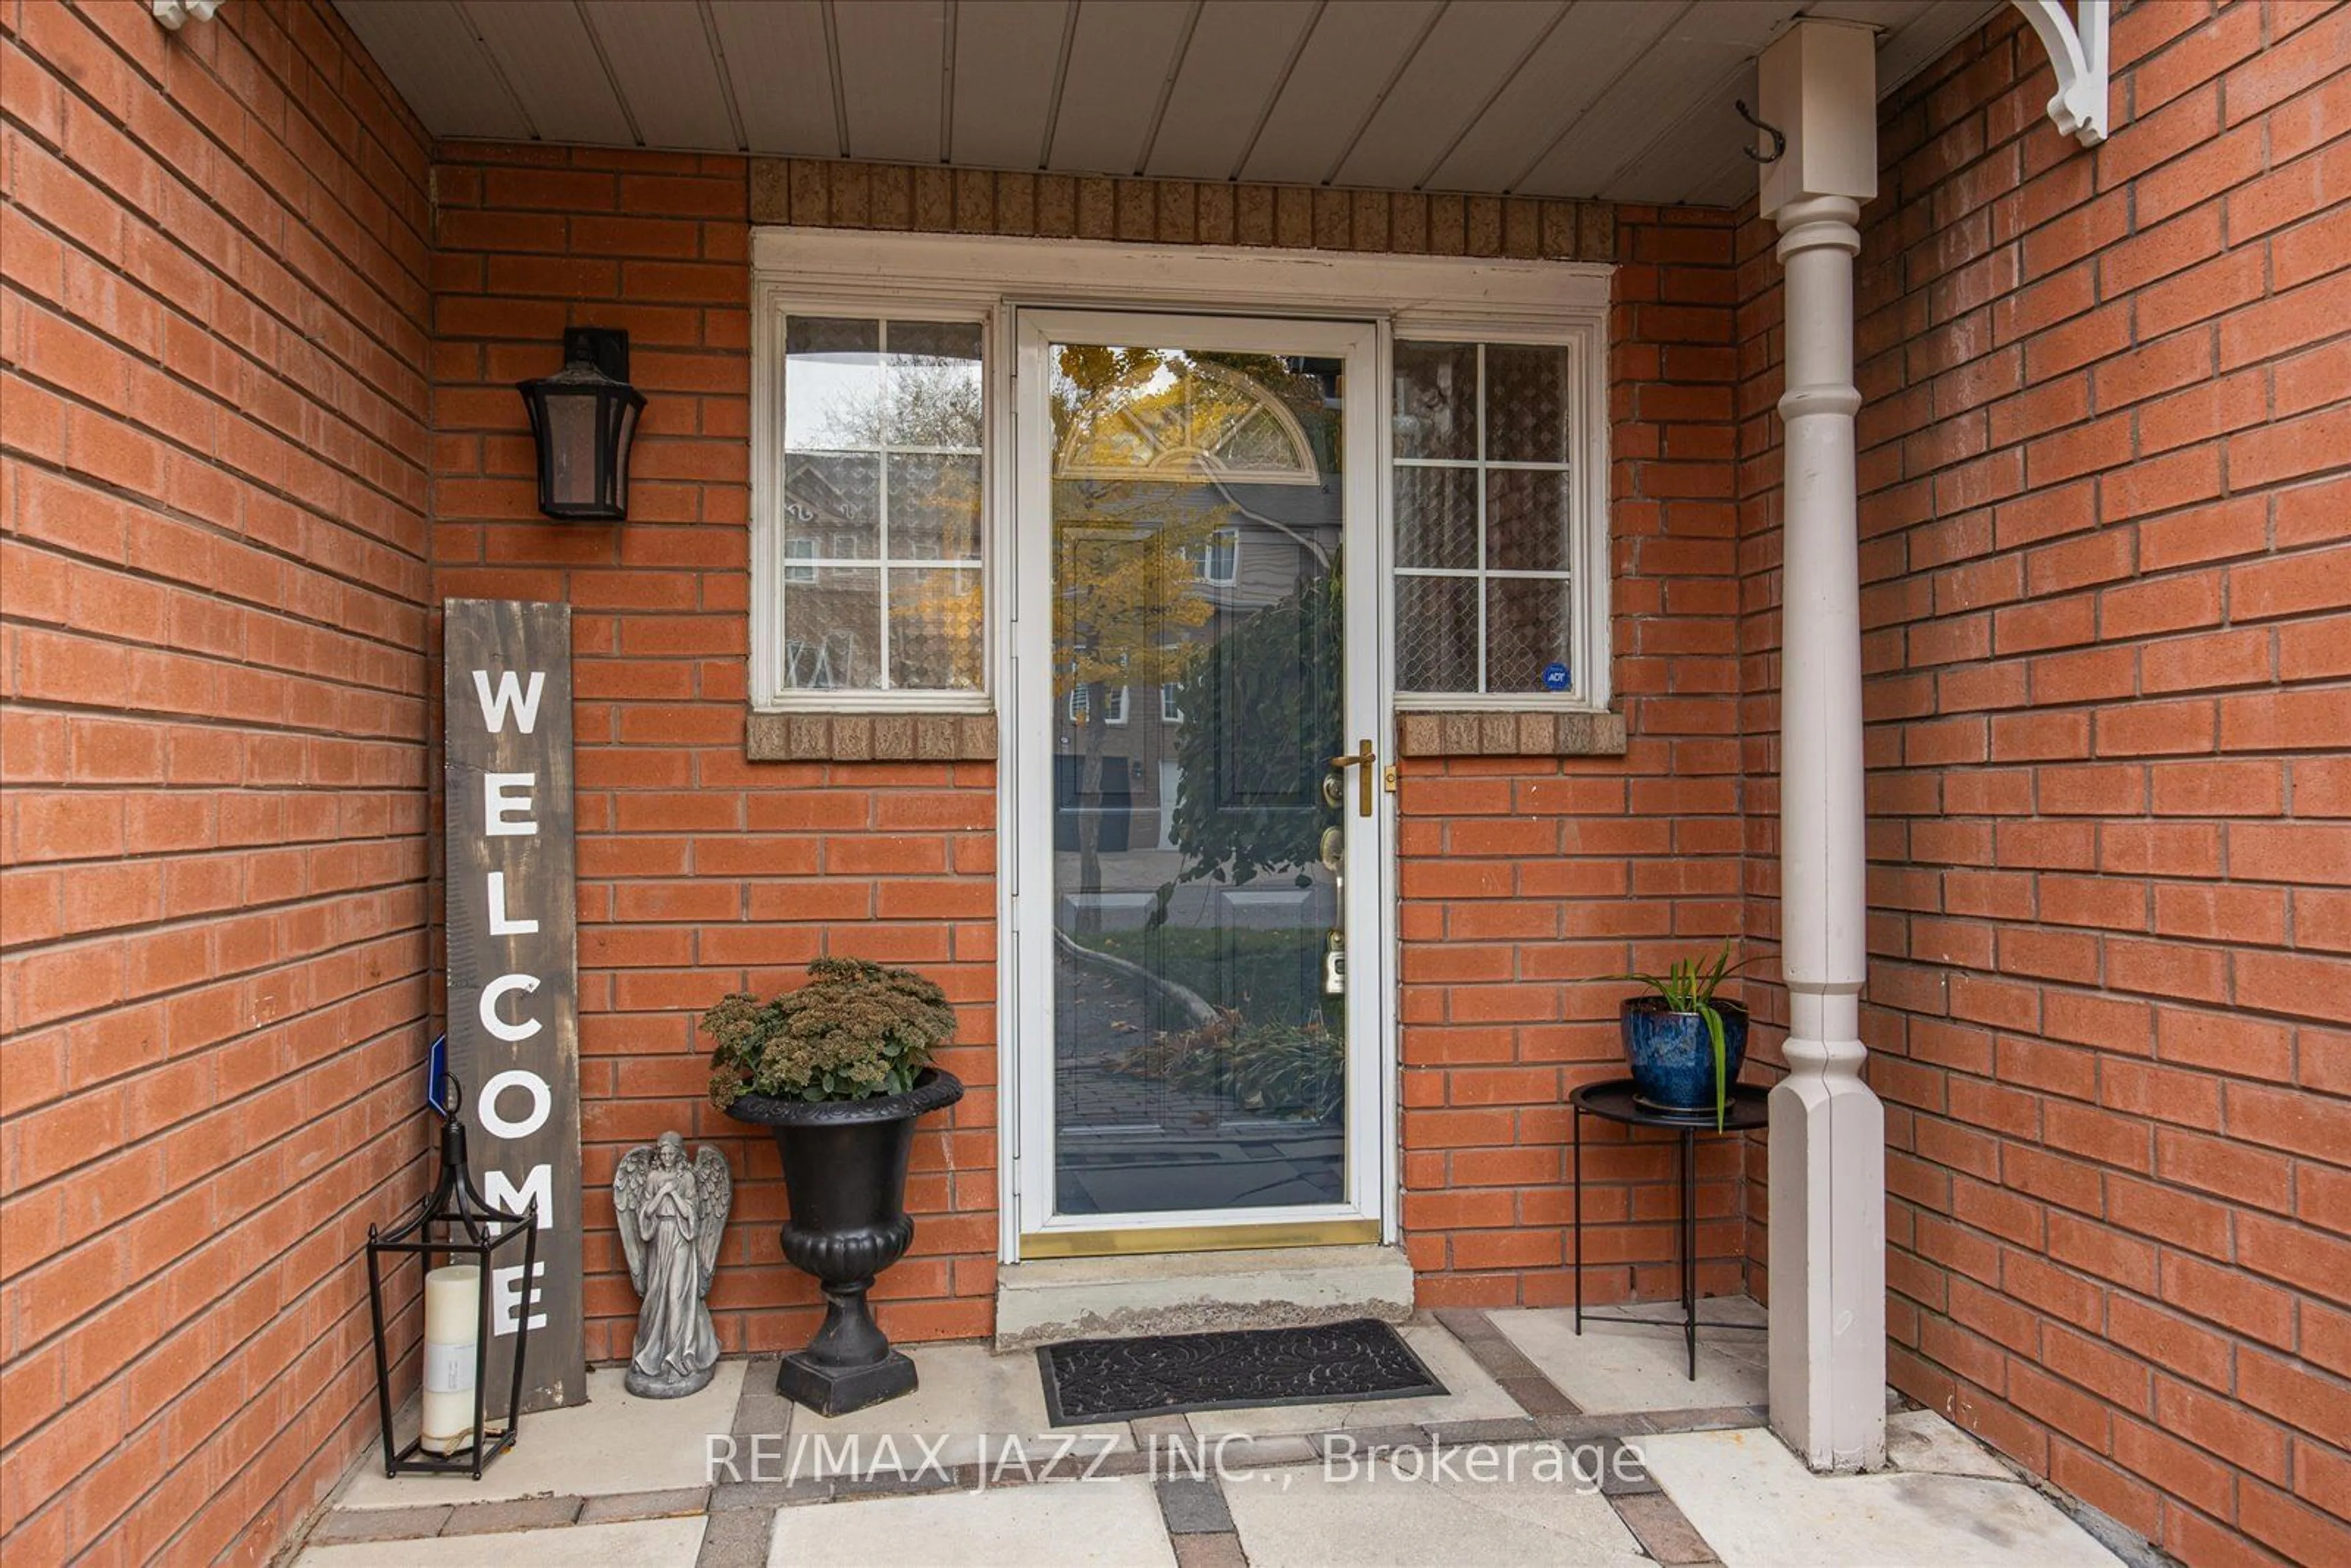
(1528,732)
(871,738)
(971,737)
(930,199)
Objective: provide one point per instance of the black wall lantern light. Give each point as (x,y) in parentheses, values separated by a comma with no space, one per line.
(583,418)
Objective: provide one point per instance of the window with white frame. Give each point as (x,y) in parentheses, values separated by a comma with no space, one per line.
(876,508)
(1114,704)
(1491,550)
(1217,559)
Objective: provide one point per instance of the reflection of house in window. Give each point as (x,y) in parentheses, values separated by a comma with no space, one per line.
(1219,558)
(1171,709)
(816,508)
(1114,704)
(815,665)
(879,513)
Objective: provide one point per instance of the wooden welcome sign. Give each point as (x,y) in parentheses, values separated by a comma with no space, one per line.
(514,976)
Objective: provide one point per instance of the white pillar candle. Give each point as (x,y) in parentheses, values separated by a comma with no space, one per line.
(453,1309)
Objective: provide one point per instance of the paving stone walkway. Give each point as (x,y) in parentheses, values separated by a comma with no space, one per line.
(1548,1448)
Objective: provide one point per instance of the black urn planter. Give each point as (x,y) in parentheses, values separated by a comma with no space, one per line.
(845,1174)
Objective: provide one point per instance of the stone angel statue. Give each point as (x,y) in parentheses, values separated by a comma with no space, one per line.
(671,1215)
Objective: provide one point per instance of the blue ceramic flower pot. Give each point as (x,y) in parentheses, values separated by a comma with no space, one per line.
(1672,1057)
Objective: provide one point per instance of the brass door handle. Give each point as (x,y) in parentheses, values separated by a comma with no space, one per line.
(1360,757)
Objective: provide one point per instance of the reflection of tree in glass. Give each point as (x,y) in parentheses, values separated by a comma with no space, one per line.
(1087,371)
(1261,710)
(921,402)
(924,401)
(1128,596)
(934,631)
(1128,599)
(935,643)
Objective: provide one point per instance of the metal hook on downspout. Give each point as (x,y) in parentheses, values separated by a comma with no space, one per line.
(1779,138)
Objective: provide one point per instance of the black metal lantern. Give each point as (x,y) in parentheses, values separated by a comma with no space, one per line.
(453,1419)
(582,419)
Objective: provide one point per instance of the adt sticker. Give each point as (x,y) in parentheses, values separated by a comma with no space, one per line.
(1555,676)
(436,1075)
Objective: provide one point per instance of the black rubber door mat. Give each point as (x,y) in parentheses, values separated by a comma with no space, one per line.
(1166,1375)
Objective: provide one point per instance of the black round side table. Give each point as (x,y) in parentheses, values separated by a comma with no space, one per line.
(1615,1100)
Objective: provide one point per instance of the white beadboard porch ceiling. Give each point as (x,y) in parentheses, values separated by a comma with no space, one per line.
(1616,100)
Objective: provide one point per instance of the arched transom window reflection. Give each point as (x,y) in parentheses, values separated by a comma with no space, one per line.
(1179,419)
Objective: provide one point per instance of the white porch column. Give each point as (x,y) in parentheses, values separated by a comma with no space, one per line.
(1828,1131)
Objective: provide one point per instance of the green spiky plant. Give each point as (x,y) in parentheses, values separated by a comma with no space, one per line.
(1688,986)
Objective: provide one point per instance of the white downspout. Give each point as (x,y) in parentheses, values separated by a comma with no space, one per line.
(1828,1131)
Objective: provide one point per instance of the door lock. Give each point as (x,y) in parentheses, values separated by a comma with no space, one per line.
(1360,757)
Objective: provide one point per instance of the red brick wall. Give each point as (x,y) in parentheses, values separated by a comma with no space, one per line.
(700,872)
(2104,468)
(1528,883)
(2105,463)
(212,553)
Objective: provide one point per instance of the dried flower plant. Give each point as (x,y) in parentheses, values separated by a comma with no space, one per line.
(856,1030)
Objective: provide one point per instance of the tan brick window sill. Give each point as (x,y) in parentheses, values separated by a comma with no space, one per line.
(871,738)
(1511,732)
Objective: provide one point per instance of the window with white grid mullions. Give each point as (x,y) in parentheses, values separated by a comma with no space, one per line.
(880,521)
(1486,518)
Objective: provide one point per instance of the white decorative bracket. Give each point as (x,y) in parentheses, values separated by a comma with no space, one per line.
(2077,47)
(173,14)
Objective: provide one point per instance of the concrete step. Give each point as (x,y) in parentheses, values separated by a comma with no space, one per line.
(1188,1292)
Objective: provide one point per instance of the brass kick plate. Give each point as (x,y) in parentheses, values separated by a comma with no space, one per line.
(1134,1239)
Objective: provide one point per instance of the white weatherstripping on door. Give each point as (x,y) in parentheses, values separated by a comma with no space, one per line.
(1026,699)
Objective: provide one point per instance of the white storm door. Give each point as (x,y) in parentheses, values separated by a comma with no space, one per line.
(1199,884)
